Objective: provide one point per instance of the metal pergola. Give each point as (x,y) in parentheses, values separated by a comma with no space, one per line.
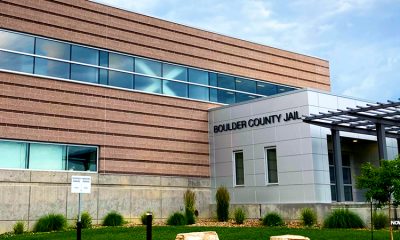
(380,119)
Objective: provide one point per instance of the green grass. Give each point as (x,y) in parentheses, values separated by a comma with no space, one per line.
(224,233)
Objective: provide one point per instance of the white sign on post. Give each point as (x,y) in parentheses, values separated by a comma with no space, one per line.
(81,184)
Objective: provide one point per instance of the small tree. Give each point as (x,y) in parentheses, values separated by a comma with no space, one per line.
(222,197)
(189,197)
(382,183)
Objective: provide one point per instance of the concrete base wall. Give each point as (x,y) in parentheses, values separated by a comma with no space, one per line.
(28,195)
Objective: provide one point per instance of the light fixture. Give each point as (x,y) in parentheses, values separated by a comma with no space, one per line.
(355,140)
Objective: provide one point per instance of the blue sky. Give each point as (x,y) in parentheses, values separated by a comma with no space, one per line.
(360,38)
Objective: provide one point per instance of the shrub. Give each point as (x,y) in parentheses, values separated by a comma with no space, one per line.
(272,220)
(222,197)
(113,219)
(51,222)
(239,215)
(343,218)
(86,220)
(380,220)
(189,199)
(19,227)
(143,218)
(308,217)
(176,219)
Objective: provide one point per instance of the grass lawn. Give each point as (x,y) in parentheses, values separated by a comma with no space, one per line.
(224,233)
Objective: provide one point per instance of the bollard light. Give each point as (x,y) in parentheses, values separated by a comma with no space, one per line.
(149,222)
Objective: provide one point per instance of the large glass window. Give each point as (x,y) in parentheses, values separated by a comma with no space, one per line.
(271,164)
(82,158)
(13,154)
(103,59)
(197,92)
(225,81)
(241,97)
(16,62)
(120,62)
(147,84)
(51,68)
(239,168)
(174,72)
(16,42)
(226,97)
(346,171)
(282,89)
(52,49)
(172,88)
(266,89)
(85,55)
(47,157)
(84,73)
(120,79)
(148,67)
(198,76)
(245,85)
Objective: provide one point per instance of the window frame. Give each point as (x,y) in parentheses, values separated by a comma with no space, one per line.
(267,183)
(234,168)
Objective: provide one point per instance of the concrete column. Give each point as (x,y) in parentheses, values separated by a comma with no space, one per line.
(381,136)
(337,158)
(398,146)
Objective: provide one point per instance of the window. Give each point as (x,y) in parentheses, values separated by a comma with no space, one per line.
(241,97)
(16,62)
(16,42)
(198,76)
(52,49)
(282,89)
(174,72)
(271,165)
(266,89)
(239,168)
(227,97)
(84,73)
(46,156)
(51,68)
(245,85)
(197,92)
(103,59)
(85,55)
(346,170)
(175,88)
(148,67)
(147,84)
(120,79)
(120,62)
(225,81)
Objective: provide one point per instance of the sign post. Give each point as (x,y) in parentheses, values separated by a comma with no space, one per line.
(80,184)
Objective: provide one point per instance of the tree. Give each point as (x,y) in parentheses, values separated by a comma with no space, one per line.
(382,184)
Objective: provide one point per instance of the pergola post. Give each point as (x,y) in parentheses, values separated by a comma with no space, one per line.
(337,158)
(381,136)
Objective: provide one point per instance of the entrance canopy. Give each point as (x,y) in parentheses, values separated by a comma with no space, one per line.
(380,119)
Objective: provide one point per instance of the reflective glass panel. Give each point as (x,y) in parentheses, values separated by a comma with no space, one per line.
(85,55)
(272,166)
(197,92)
(103,76)
(103,59)
(148,67)
(266,89)
(13,154)
(119,79)
(213,95)
(174,72)
(16,62)
(198,76)
(172,88)
(148,84)
(239,168)
(345,159)
(52,49)
(213,79)
(346,175)
(348,193)
(332,174)
(16,42)
(225,81)
(333,193)
(226,97)
(241,97)
(84,73)
(47,156)
(51,68)
(282,89)
(82,158)
(120,62)
(245,85)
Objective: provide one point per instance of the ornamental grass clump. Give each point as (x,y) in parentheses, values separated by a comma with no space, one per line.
(50,222)
(86,220)
(273,219)
(343,218)
(308,217)
(189,198)
(19,227)
(380,220)
(239,215)
(113,219)
(176,219)
(222,197)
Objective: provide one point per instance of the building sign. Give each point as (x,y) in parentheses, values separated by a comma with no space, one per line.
(258,121)
(81,184)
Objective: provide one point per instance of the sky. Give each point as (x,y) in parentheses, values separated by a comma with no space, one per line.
(359,38)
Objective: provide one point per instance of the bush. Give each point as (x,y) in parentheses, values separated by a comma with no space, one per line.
(176,219)
(222,197)
(113,219)
(51,222)
(19,227)
(308,217)
(343,218)
(189,199)
(273,220)
(143,218)
(380,220)
(86,220)
(239,215)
